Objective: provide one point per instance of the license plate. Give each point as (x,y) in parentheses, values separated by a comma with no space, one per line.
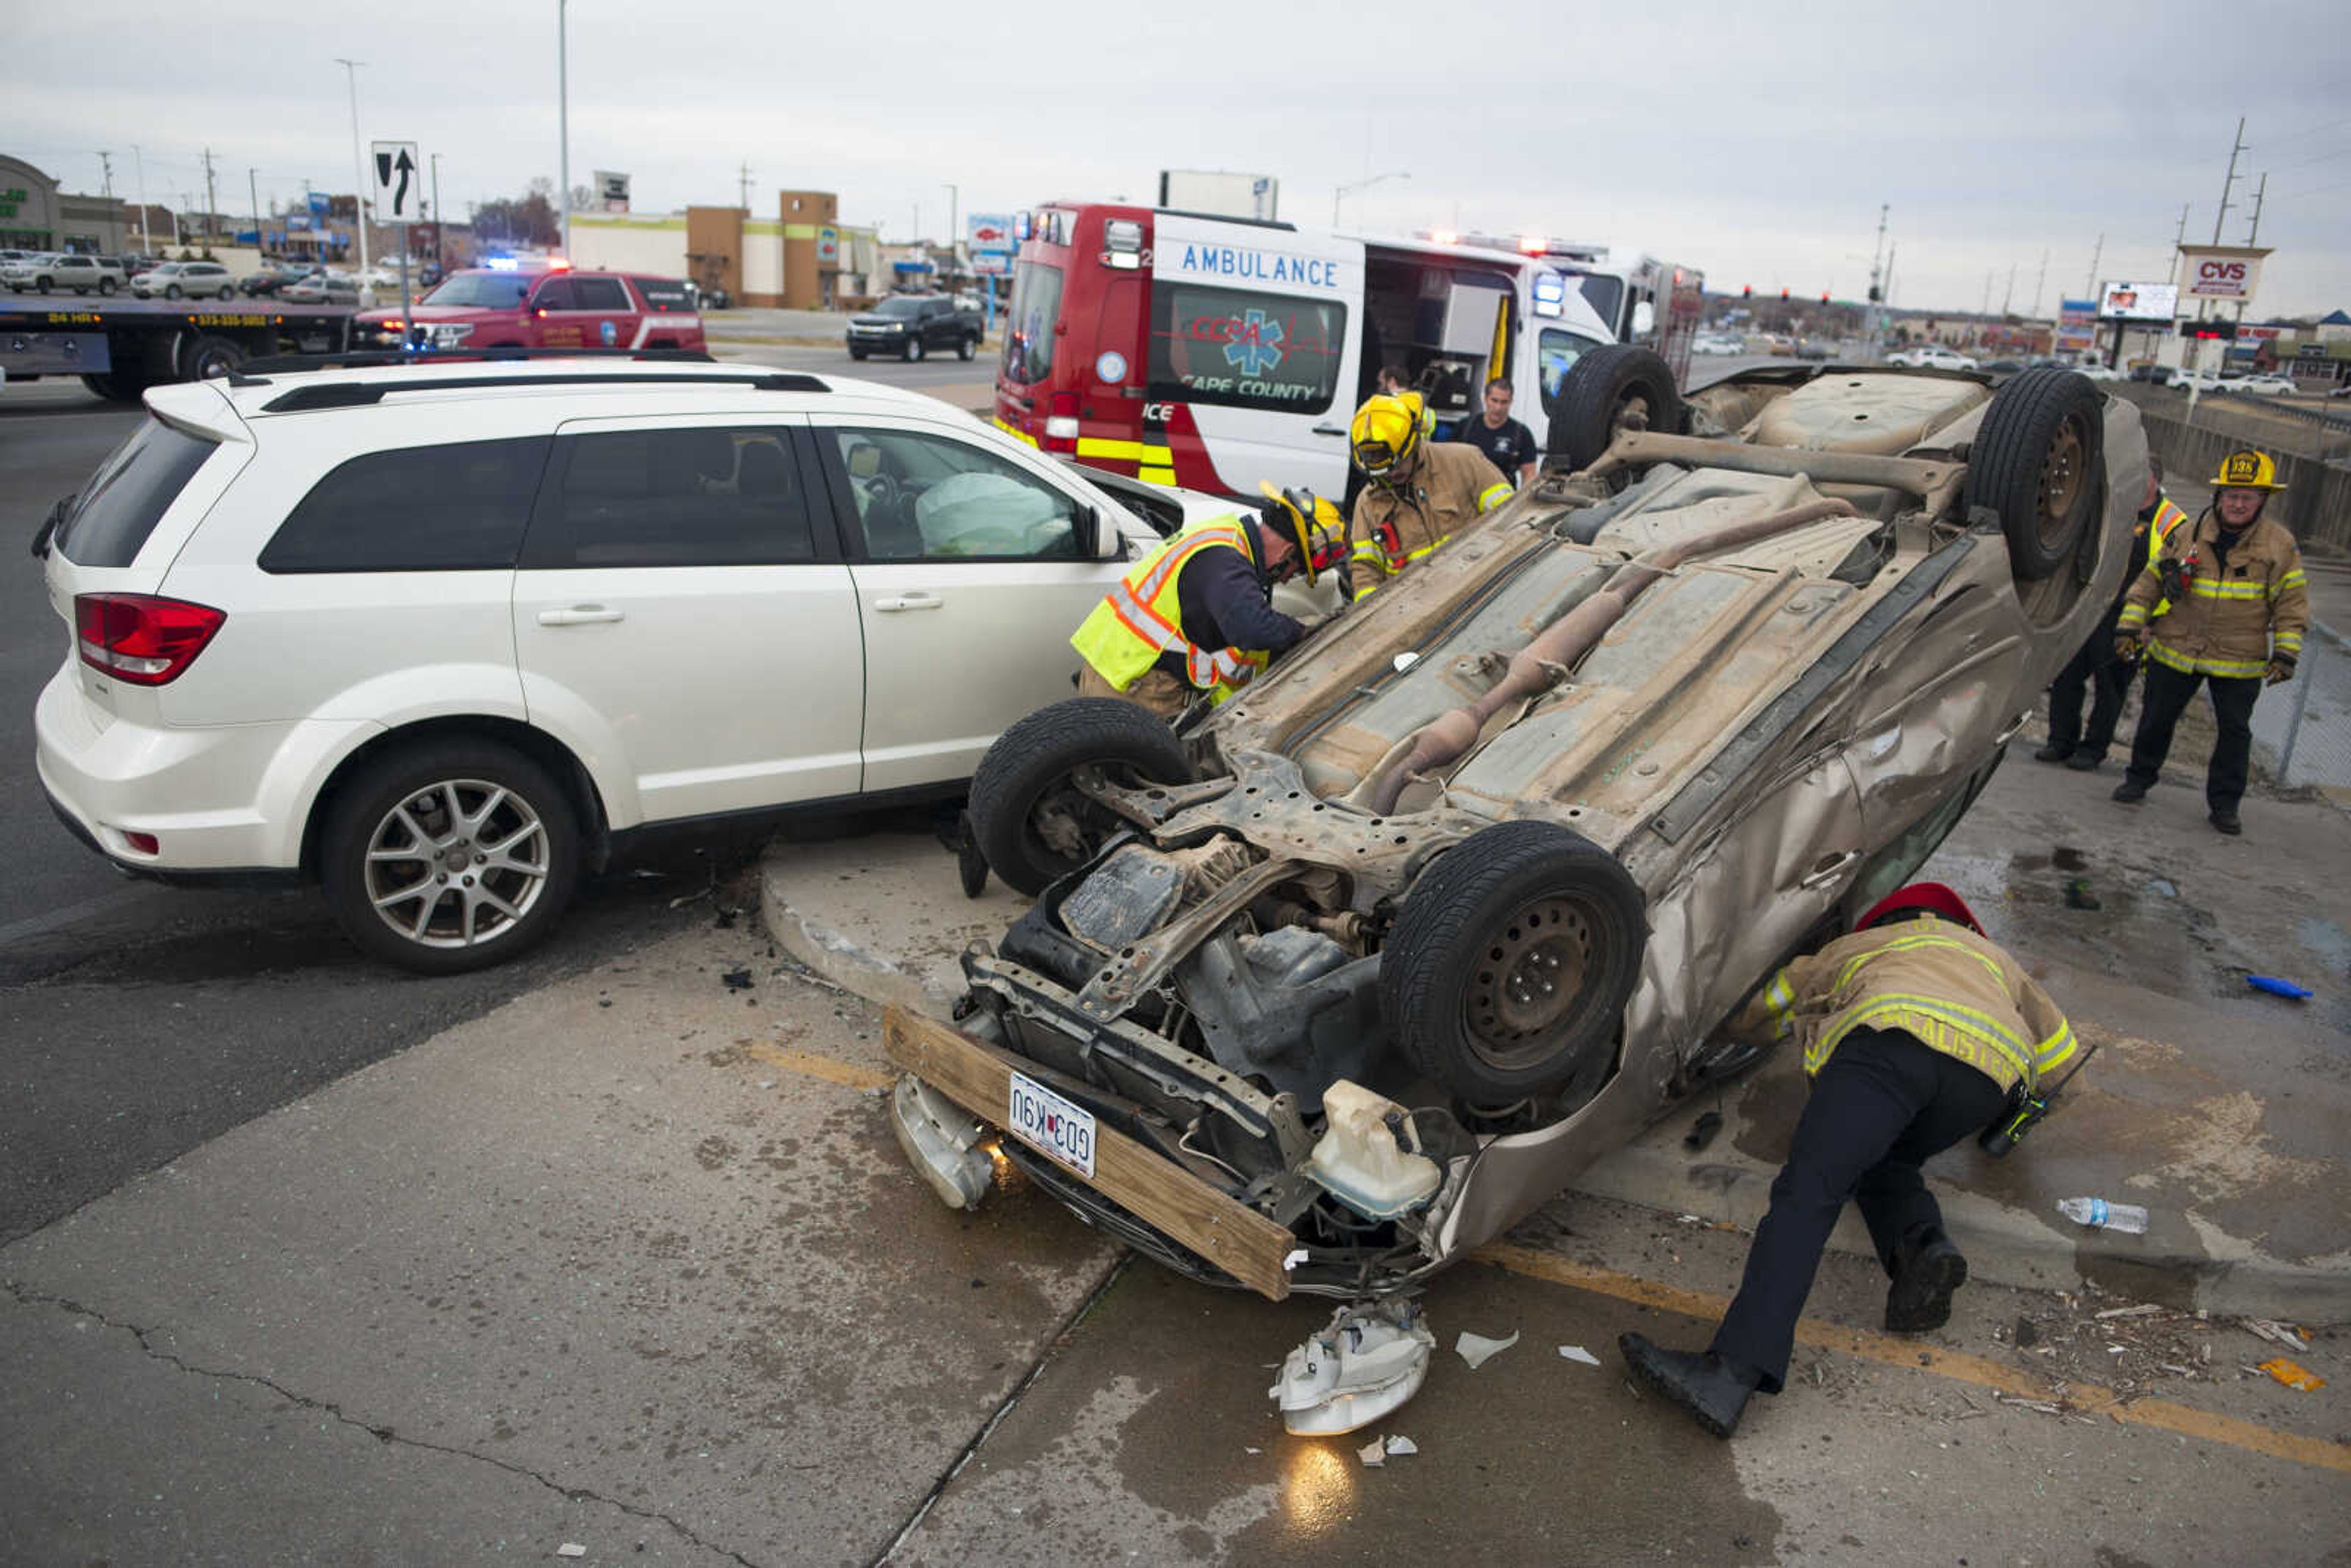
(1052,1126)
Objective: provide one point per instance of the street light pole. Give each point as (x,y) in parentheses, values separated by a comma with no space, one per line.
(146,245)
(359,168)
(439,231)
(563,115)
(1361,184)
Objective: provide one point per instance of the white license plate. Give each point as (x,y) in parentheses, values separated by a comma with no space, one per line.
(1052,1126)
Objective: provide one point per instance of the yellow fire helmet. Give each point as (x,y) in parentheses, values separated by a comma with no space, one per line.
(1385,429)
(2247,471)
(1313,524)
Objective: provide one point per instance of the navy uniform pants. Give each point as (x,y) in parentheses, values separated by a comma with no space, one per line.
(1882,1106)
(2108,678)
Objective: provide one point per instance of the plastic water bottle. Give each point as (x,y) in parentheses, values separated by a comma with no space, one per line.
(2100,1215)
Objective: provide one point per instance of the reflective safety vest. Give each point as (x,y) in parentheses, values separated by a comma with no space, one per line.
(1141,617)
(2159,530)
(1941,984)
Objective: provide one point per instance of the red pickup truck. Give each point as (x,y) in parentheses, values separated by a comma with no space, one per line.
(482,308)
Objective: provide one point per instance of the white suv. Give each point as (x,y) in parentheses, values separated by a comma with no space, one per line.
(201,279)
(1931,357)
(437,634)
(82,274)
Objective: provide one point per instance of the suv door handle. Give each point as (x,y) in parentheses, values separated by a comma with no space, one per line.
(908,601)
(578,615)
(1829,870)
(1330,430)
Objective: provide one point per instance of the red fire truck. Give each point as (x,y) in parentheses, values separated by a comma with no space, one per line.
(1217,352)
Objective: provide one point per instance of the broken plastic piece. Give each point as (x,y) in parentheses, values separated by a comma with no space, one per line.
(2278,988)
(1577,1352)
(1369,1359)
(2295,1375)
(1477,1349)
(938,1137)
(1374,1454)
(1401,1446)
(572,1549)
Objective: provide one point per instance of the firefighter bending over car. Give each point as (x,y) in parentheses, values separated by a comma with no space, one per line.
(1421,492)
(1192,618)
(1916,1031)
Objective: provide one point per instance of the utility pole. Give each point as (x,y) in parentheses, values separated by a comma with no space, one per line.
(2097,253)
(1889,270)
(2041,283)
(2008,298)
(254,191)
(146,245)
(563,116)
(358,169)
(1876,283)
(954,198)
(106,163)
(1985,309)
(2229,182)
(211,202)
(743,188)
(2254,234)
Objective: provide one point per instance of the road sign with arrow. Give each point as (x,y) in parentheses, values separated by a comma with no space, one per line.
(399,194)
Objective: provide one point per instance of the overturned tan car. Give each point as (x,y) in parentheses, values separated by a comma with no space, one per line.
(1355,971)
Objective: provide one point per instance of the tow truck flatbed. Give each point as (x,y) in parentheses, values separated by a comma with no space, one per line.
(120,347)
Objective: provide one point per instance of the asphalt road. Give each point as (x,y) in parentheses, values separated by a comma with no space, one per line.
(137,1020)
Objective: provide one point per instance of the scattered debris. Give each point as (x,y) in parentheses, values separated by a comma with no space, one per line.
(1577,1352)
(2295,1375)
(1374,1454)
(1368,1359)
(1702,1131)
(738,979)
(2280,1332)
(572,1549)
(2145,1309)
(2045,1407)
(2278,988)
(683,899)
(2164,887)
(1477,1349)
(2079,896)
(1401,1446)
(1689,1219)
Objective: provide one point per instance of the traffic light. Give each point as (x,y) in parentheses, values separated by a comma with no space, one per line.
(1825,295)
(1876,294)
(1783,295)
(1747,291)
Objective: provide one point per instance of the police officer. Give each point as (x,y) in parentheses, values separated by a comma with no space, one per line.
(1419,494)
(2224,602)
(1192,618)
(1914,1029)
(2095,663)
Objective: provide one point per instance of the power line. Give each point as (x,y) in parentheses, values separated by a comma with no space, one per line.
(2312,131)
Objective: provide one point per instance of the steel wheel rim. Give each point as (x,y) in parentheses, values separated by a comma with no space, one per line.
(2062,474)
(457,863)
(1527,981)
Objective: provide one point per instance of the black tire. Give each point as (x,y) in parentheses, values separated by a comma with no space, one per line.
(2036,461)
(966,345)
(105,286)
(209,357)
(915,349)
(40,285)
(1029,820)
(1605,385)
(118,386)
(537,886)
(228,292)
(171,291)
(856,353)
(1517,904)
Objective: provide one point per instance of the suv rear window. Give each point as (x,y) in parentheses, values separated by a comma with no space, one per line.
(459,508)
(664,294)
(131,491)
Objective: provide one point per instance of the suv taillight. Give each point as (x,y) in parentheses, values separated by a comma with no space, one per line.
(141,638)
(1062,422)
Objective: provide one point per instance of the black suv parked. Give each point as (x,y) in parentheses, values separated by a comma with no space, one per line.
(911,325)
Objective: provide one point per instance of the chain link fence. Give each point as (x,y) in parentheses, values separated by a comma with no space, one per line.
(2302,730)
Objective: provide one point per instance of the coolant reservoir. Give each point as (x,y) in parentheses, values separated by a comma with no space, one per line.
(1360,1160)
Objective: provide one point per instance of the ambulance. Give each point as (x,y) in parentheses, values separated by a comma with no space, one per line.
(1656,304)
(1217,353)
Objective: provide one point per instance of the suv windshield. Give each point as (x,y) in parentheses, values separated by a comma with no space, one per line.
(899,305)
(482,291)
(1029,322)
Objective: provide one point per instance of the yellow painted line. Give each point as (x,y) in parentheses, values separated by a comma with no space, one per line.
(1887,1349)
(848,1075)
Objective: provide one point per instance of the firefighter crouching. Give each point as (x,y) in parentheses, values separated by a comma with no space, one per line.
(1421,492)
(2223,601)
(1915,1030)
(1191,617)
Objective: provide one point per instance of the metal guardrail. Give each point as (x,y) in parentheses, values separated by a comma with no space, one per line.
(2311,743)
(2320,416)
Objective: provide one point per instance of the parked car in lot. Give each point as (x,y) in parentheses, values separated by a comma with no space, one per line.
(1931,357)
(2194,381)
(275,278)
(53,273)
(1717,343)
(2095,372)
(324,287)
(909,326)
(490,309)
(185,279)
(1332,983)
(2266,386)
(439,641)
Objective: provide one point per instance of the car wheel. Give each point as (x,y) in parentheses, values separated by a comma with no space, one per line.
(171,291)
(1509,968)
(1030,819)
(2037,461)
(1617,387)
(914,350)
(210,358)
(105,286)
(41,285)
(856,353)
(966,345)
(450,856)
(118,386)
(228,292)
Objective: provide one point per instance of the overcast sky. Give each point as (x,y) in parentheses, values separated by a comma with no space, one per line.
(1755,140)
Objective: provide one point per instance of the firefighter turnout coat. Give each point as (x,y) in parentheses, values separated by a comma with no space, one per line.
(1394,525)
(2233,618)
(1933,979)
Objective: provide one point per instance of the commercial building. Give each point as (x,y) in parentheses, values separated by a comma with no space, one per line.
(804,258)
(34,214)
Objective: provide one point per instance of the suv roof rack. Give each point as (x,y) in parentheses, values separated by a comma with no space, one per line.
(252,371)
(359,394)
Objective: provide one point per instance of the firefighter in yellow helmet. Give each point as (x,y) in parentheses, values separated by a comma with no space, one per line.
(2226,602)
(1420,491)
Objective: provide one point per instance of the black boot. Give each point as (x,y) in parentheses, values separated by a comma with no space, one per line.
(1710,1388)
(2053,752)
(1927,1270)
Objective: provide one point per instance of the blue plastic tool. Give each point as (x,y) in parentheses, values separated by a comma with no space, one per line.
(2277,988)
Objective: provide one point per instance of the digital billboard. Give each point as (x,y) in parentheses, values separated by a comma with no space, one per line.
(2139,301)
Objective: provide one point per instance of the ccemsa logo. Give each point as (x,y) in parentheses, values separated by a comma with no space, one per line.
(1255,345)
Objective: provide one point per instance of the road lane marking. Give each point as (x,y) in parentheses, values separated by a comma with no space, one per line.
(848,1075)
(1891,1351)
